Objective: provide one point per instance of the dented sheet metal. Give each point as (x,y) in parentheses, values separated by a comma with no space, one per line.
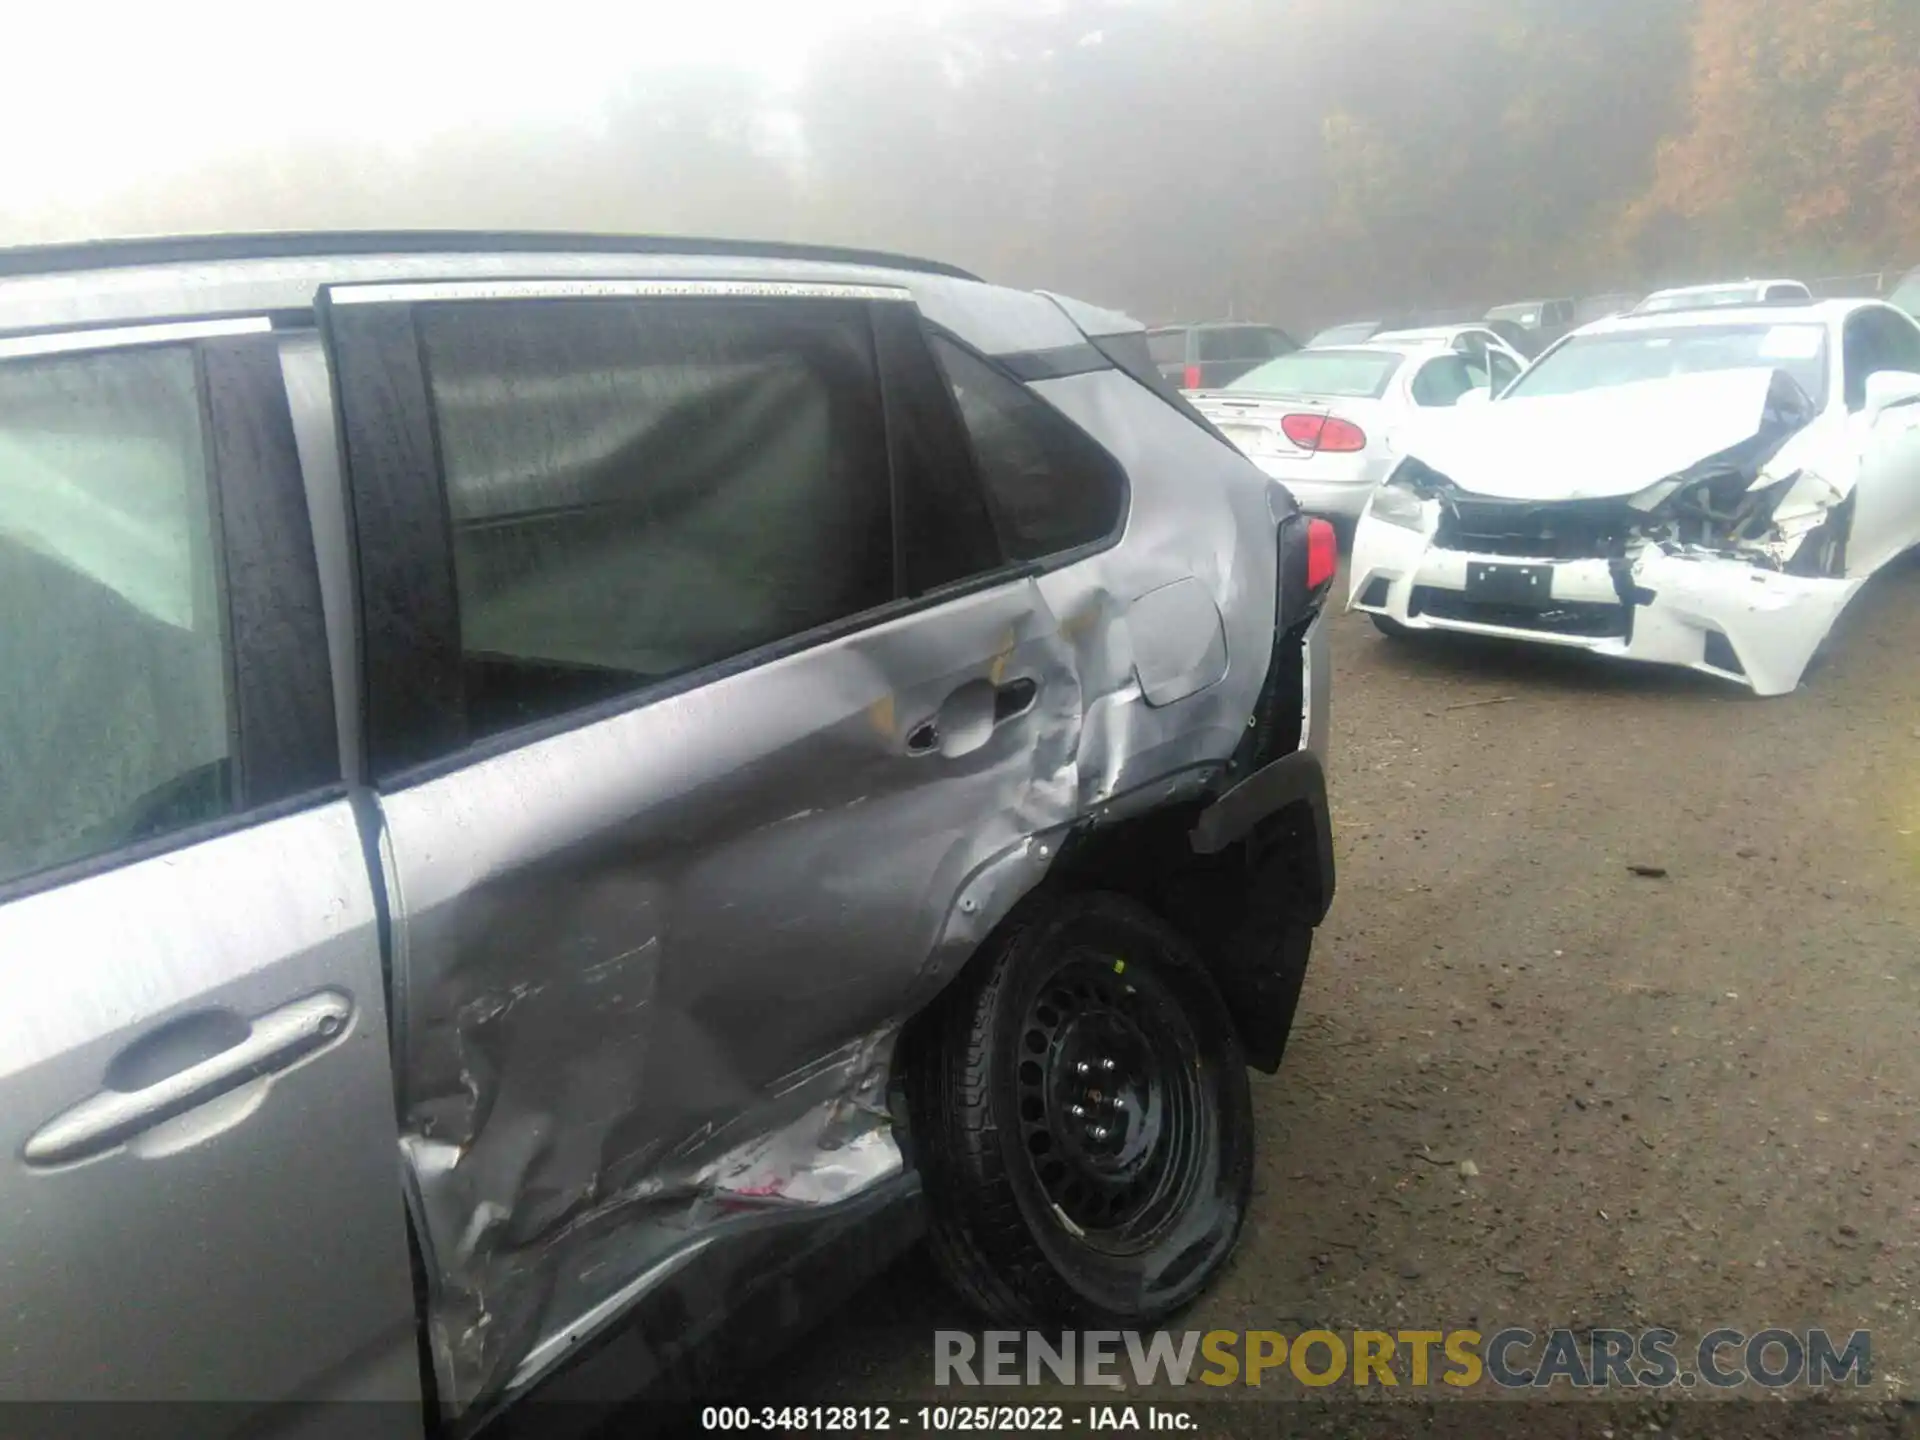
(1715,536)
(649,972)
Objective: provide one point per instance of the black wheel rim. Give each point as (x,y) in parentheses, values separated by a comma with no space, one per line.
(1114,1118)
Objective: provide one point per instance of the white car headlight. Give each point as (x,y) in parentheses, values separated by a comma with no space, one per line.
(1399,499)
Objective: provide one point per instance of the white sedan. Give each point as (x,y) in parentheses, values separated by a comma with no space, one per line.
(1327,423)
(1707,489)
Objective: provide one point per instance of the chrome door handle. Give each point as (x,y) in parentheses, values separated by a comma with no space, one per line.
(274,1041)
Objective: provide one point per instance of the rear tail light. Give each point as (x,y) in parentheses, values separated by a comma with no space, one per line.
(1328,433)
(1342,436)
(1303,430)
(1191,380)
(1323,554)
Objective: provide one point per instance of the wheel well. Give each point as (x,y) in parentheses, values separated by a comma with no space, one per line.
(1245,909)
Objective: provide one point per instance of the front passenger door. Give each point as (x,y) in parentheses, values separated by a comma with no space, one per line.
(199,1185)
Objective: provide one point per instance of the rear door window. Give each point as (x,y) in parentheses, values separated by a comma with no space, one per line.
(639,488)
(114,694)
(1442,381)
(1168,347)
(1051,487)
(1237,342)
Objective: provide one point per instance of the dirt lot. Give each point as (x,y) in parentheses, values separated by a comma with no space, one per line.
(1690,1098)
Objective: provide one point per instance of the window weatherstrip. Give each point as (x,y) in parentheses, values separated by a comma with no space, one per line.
(121,337)
(423,292)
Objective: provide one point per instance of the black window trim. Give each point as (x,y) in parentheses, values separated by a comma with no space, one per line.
(242,350)
(1060,559)
(384,453)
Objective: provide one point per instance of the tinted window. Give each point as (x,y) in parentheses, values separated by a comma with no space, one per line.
(1504,370)
(1443,381)
(1350,374)
(641,488)
(1588,362)
(1168,347)
(1244,342)
(946,533)
(1050,486)
(114,700)
(1876,340)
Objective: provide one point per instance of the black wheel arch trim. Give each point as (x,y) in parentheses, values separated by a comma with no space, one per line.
(1296,779)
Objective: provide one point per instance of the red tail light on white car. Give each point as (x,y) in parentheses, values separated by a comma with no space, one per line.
(1323,433)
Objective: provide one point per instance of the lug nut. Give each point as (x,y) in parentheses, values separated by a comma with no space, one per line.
(1099,1132)
(1108,1066)
(1081,1067)
(1079,1112)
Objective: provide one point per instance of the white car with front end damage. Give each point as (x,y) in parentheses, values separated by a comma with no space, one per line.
(1707,490)
(1327,423)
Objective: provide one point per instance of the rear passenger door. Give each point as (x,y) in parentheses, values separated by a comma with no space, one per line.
(702,682)
(199,1193)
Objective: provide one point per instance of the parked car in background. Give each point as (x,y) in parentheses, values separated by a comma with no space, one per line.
(1906,294)
(1543,321)
(1477,341)
(1196,357)
(564,791)
(1600,307)
(1354,332)
(1523,342)
(1348,332)
(1326,422)
(1707,489)
(1708,297)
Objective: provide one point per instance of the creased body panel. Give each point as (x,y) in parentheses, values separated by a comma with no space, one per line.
(1201,511)
(631,955)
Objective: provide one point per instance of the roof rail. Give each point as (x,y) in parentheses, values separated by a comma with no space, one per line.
(306,244)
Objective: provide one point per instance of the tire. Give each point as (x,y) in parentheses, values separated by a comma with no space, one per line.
(1035,1219)
(1390,627)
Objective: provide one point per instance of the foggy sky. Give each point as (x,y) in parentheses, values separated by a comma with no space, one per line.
(1293,159)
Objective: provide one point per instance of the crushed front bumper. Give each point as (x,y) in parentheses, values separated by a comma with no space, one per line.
(1711,613)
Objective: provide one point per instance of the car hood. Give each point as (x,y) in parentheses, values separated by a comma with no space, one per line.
(1598,443)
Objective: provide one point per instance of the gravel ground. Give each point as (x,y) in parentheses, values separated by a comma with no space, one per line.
(1689,1097)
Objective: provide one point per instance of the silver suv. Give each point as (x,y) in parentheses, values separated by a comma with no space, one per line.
(553,782)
